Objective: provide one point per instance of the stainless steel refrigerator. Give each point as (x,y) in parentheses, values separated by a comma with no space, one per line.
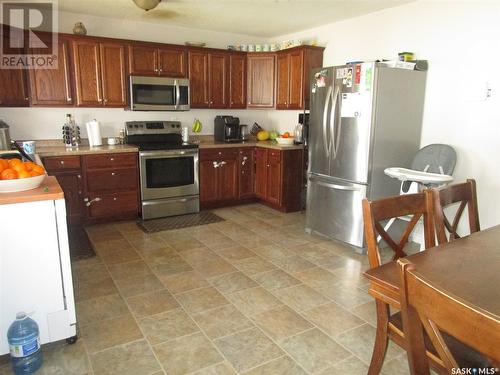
(363,119)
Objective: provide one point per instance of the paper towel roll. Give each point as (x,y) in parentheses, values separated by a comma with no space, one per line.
(94,133)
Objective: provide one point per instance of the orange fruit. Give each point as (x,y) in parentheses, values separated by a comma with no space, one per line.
(24,174)
(4,164)
(286,135)
(13,162)
(38,169)
(29,165)
(8,174)
(18,167)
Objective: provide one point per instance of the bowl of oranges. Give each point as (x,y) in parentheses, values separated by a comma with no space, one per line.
(18,175)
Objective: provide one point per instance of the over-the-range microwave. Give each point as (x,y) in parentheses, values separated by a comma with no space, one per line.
(159,94)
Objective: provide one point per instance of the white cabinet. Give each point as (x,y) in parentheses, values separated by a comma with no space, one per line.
(35,269)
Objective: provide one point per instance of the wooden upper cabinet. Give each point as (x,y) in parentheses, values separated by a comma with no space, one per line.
(113,74)
(172,62)
(198,79)
(100,73)
(143,60)
(87,73)
(52,87)
(282,80)
(297,75)
(237,81)
(260,80)
(218,82)
(13,91)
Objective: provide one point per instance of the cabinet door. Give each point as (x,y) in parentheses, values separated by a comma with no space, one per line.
(296,80)
(261,80)
(13,91)
(228,179)
(198,79)
(208,181)
(274,177)
(246,173)
(237,81)
(283,78)
(218,81)
(261,172)
(143,60)
(172,62)
(117,204)
(72,188)
(87,75)
(52,87)
(114,92)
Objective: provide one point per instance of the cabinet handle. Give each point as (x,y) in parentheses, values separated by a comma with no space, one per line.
(242,172)
(26,98)
(222,163)
(268,165)
(111,159)
(114,198)
(113,173)
(62,162)
(216,165)
(79,176)
(68,99)
(220,153)
(79,192)
(88,203)
(105,100)
(156,70)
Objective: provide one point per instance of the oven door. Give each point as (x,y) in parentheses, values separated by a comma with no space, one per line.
(167,174)
(159,94)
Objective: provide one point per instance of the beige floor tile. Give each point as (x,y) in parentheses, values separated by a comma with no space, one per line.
(187,354)
(91,269)
(199,255)
(254,265)
(158,256)
(317,278)
(129,359)
(199,300)
(138,285)
(333,319)
(120,256)
(175,235)
(110,247)
(152,303)
(232,282)
(254,241)
(167,325)
(345,296)
(222,321)
(236,253)
(281,322)
(171,267)
(214,268)
(360,341)
(103,234)
(280,366)
(100,308)
(293,264)
(300,297)
(129,269)
(186,245)
(218,243)
(94,288)
(367,312)
(61,358)
(105,334)
(349,366)
(275,279)
(273,251)
(149,242)
(248,349)
(218,369)
(314,350)
(398,365)
(254,300)
(183,282)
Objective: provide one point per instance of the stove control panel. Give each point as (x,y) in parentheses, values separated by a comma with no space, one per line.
(152,127)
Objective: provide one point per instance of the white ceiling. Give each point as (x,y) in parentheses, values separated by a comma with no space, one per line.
(264,18)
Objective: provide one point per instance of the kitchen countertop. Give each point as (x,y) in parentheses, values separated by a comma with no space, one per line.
(46,151)
(207,142)
(48,190)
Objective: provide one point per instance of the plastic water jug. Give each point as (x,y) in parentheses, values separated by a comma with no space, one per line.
(24,341)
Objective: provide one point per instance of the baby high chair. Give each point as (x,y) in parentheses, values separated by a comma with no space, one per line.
(431,167)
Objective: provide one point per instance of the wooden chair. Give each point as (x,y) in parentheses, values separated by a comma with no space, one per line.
(448,324)
(414,205)
(464,193)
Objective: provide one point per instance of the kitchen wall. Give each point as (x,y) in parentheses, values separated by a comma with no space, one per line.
(460,41)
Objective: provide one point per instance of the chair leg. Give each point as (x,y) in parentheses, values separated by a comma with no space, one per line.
(381,338)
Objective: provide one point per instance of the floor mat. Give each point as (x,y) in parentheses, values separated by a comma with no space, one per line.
(178,222)
(79,243)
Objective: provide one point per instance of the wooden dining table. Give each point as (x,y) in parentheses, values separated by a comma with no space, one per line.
(467,268)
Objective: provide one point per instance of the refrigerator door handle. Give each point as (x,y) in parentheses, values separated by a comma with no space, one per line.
(326,144)
(334,186)
(335,137)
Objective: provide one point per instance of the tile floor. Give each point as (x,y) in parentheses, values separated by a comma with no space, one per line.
(251,295)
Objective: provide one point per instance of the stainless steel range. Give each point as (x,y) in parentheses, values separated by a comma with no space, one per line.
(168,168)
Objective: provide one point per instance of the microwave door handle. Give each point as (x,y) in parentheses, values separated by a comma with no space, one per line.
(177,94)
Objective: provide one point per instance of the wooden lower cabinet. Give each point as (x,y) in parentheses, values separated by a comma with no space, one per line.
(271,176)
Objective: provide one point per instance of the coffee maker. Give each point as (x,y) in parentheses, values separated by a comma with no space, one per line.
(227,129)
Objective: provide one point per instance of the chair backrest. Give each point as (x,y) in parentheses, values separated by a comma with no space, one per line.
(425,305)
(435,158)
(374,212)
(464,193)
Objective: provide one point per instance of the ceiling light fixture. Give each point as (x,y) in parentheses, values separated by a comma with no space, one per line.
(147,4)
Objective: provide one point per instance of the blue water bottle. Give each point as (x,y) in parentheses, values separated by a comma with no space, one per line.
(24,342)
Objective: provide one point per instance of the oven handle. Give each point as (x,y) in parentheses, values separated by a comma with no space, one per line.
(169,153)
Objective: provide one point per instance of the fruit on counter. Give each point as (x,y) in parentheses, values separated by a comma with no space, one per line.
(15,168)
(286,135)
(196,126)
(273,135)
(263,135)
